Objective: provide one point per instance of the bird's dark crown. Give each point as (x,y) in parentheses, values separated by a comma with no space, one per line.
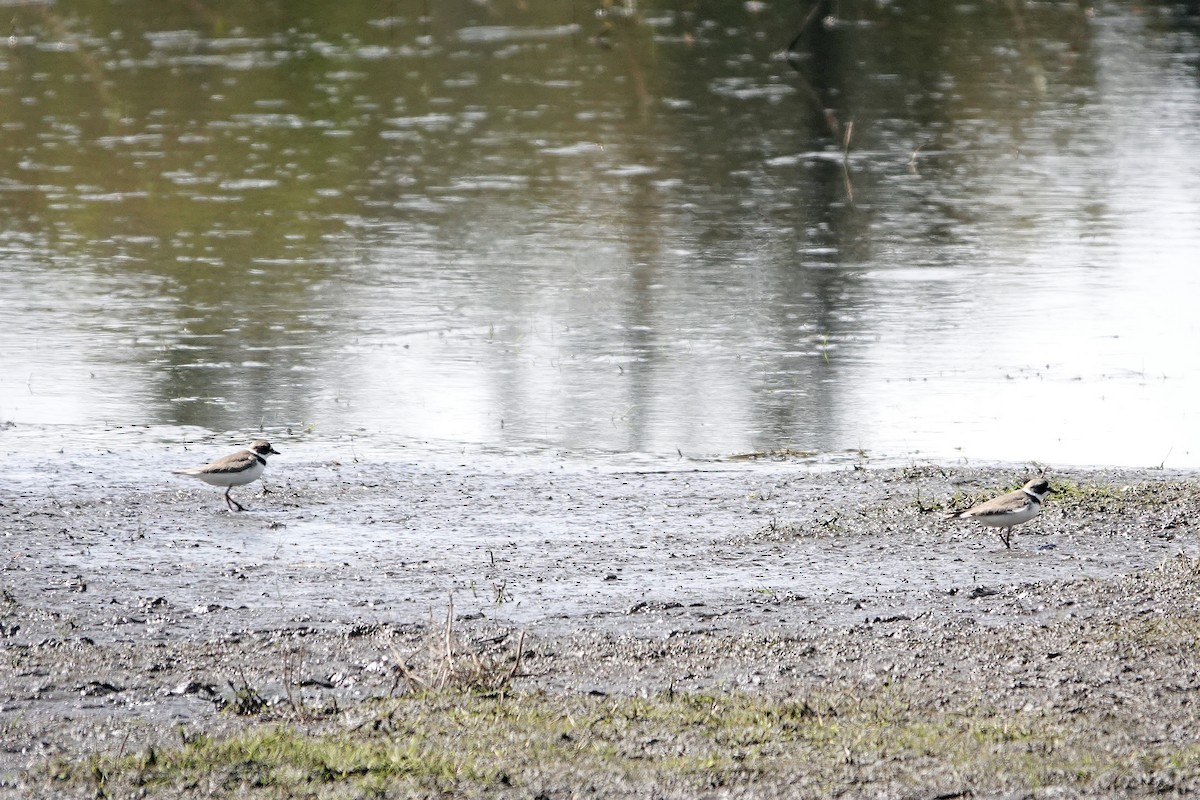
(262,448)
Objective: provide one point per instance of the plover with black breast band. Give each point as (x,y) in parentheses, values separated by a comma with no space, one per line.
(237,469)
(1010,509)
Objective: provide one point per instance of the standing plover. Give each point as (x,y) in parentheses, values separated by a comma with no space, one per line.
(1009,509)
(238,469)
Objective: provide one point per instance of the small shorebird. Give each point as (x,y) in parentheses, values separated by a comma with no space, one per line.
(1009,509)
(238,469)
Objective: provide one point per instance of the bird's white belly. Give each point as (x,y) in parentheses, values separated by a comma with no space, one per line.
(233,478)
(1005,519)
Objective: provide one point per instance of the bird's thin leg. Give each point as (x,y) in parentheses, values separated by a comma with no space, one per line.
(1006,537)
(229,501)
(265,490)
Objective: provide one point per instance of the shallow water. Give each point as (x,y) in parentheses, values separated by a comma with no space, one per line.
(635,233)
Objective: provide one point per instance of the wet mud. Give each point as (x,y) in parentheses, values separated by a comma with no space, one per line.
(135,605)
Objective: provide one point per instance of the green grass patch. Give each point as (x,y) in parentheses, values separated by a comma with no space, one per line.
(1080,498)
(1090,497)
(465,743)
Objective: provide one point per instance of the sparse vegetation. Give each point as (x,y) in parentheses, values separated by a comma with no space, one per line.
(456,741)
(443,663)
(1089,497)
(924,500)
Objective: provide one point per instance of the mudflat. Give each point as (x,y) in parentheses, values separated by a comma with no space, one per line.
(535,626)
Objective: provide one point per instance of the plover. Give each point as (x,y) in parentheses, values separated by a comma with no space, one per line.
(238,469)
(1009,509)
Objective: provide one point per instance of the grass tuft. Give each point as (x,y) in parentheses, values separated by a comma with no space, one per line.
(443,663)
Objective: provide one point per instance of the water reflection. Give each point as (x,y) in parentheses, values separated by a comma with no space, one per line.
(628,231)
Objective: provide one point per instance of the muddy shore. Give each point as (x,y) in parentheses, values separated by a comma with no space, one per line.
(138,615)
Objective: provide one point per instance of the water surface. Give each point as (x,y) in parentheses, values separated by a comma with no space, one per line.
(632,231)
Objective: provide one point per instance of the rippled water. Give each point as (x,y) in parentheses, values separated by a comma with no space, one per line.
(632,231)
